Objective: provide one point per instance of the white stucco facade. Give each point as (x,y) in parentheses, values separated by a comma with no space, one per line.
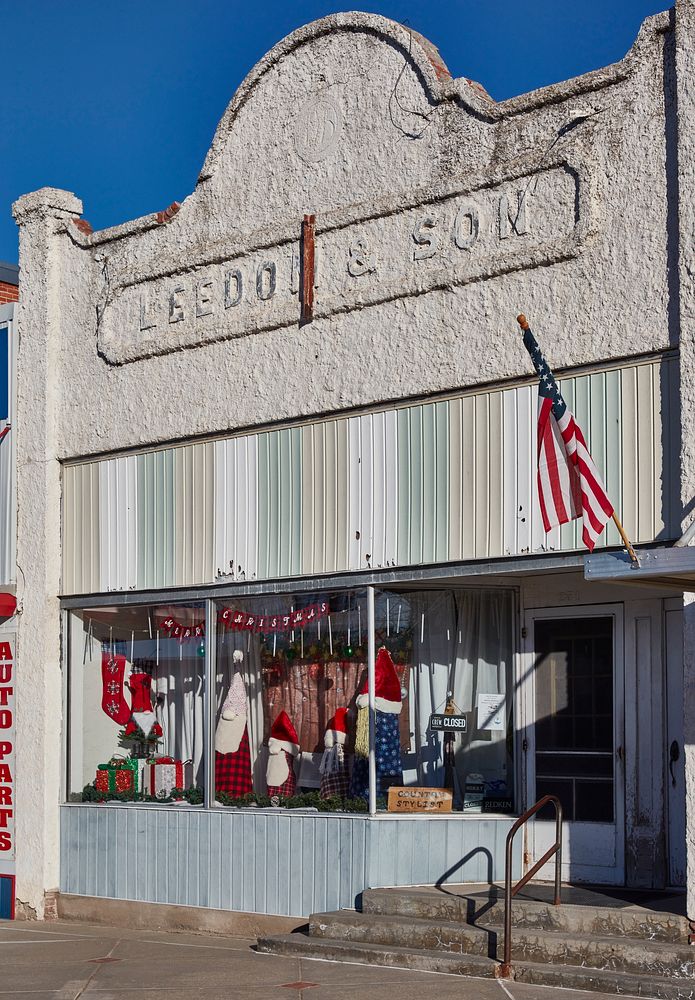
(440,215)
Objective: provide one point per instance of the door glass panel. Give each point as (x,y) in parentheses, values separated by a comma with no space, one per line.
(574,716)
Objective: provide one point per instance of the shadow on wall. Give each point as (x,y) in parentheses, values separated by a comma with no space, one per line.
(460,866)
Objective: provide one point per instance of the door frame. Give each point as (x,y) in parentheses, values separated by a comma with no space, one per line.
(527,705)
(674,797)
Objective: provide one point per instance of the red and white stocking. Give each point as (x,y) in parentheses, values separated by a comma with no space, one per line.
(113,700)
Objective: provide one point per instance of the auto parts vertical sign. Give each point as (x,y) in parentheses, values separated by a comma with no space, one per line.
(7,738)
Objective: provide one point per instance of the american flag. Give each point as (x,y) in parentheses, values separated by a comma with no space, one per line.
(569,484)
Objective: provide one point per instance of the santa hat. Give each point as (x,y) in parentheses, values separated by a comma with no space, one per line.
(283,735)
(235,702)
(336,730)
(387,687)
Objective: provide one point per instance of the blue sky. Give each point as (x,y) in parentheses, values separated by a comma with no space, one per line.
(119,101)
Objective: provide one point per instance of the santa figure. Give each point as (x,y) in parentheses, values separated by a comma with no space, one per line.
(283,747)
(388,704)
(232,751)
(142,716)
(335,775)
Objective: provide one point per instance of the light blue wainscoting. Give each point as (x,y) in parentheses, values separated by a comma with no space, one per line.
(268,861)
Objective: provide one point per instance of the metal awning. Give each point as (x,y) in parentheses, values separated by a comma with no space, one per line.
(672,567)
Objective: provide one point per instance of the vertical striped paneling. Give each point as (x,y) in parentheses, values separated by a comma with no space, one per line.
(235,494)
(118,501)
(82,520)
(155,522)
(443,475)
(286,864)
(411,852)
(430,483)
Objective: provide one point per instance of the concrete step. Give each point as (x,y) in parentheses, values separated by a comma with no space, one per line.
(477,966)
(604,981)
(624,954)
(360,953)
(604,921)
(406,932)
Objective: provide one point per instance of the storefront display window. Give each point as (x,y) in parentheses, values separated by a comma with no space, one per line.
(135,705)
(289,710)
(293,664)
(459,649)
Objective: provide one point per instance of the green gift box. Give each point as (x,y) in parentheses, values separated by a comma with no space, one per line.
(119,775)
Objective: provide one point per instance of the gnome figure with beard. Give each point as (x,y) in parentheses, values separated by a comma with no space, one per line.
(388,704)
(283,747)
(232,751)
(335,774)
(142,715)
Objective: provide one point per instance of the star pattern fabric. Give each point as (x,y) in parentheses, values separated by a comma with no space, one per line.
(389,768)
(547,387)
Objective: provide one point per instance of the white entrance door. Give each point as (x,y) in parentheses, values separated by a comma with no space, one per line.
(574,707)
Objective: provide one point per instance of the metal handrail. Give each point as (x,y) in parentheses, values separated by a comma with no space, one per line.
(509,891)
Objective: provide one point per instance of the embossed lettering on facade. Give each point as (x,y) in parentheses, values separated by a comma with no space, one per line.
(457,238)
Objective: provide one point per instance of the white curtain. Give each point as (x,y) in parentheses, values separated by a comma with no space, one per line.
(178,683)
(463,643)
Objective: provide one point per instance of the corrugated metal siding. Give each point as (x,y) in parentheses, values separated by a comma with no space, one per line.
(430,483)
(406,851)
(283,864)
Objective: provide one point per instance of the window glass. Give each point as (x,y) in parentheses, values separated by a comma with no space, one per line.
(302,687)
(457,650)
(286,666)
(290,714)
(136,702)
(574,712)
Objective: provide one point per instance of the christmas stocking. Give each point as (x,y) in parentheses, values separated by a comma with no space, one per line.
(113,700)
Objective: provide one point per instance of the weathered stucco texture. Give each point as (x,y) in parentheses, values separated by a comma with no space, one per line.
(609,299)
(439,216)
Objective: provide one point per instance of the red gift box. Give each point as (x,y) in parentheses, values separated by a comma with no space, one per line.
(117,776)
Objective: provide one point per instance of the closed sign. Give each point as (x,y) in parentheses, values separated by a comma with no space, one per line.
(448,723)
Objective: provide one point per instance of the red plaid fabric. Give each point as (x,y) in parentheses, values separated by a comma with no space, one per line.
(233,770)
(336,783)
(289,787)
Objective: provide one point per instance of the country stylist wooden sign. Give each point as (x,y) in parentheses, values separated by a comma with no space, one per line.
(410,800)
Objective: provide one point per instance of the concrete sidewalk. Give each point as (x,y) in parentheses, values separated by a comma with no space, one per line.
(64,960)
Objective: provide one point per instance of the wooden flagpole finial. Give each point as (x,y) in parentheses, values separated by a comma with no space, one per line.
(522,321)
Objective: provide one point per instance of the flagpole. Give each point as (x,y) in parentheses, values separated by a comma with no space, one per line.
(626,541)
(524,324)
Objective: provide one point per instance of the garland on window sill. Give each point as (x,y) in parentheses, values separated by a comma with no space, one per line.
(194,796)
(304,800)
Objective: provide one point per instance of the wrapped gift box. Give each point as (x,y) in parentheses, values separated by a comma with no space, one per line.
(119,775)
(164,774)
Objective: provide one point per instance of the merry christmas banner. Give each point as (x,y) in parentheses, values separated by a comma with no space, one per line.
(242,621)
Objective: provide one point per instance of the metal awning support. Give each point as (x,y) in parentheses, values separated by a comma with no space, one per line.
(672,567)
